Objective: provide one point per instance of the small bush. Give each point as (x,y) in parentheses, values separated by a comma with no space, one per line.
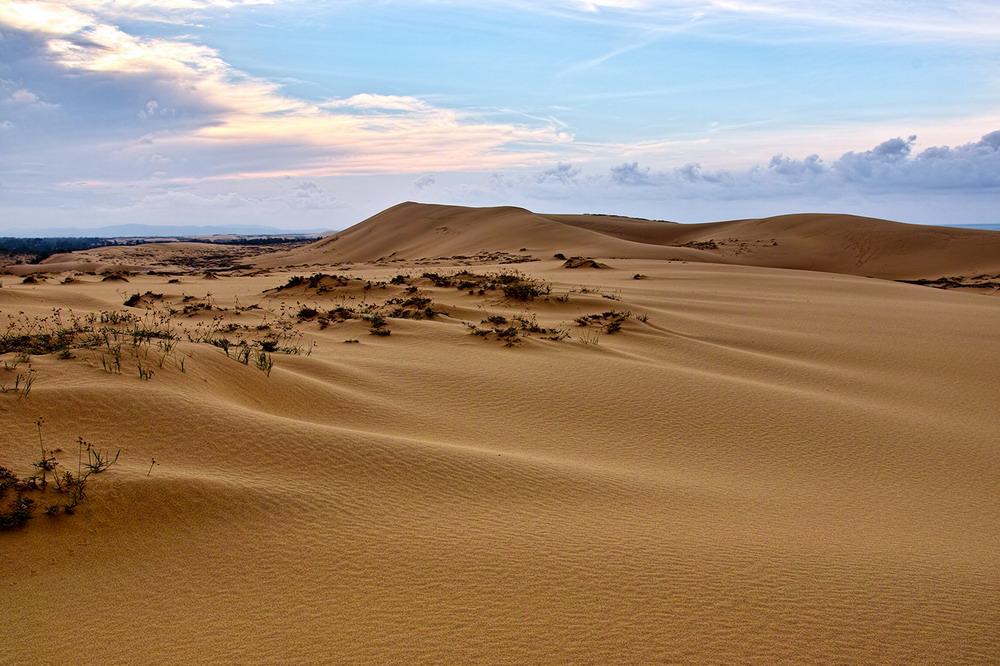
(17,514)
(611,320)
(522,291)
(441,281)
(308,313)
(7,480)
(379,326)
(135,300)
(341,313)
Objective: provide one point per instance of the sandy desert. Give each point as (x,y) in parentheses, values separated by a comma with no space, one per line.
(454,435)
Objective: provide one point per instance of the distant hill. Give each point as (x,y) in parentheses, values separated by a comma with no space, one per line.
(986,227)
(159,231)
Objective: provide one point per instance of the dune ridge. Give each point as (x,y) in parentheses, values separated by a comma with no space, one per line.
(810,241)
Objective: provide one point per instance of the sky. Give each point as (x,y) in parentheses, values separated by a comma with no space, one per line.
(314,114)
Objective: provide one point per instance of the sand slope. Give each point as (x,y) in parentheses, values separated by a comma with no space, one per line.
(776,466)
(821,242)
(411,230)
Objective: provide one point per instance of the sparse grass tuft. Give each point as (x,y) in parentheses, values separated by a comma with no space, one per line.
(97,460)
(72,487)
(264,362)
(379,326)
(17,514)
(611,320)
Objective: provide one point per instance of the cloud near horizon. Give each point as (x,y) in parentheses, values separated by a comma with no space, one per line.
(923,184)
(891,166)
(953,184)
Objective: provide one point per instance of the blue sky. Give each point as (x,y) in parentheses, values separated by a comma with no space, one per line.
(317,113)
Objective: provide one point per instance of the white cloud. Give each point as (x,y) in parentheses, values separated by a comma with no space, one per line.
(170,11)
(563,173)
(152,109)
(226,111)
(23,96)
(280,198)
(311,196)
(12,95)
(425,181)
(630,173)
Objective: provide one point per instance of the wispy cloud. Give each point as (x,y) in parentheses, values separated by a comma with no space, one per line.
(920,19)
(879,19)
(590,63)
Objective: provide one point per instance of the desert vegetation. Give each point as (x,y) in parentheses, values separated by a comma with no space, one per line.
(610,320)
(34,250)
(514,285)
(54,486)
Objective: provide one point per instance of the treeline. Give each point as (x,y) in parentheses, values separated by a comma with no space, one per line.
(33,250)
(258,240)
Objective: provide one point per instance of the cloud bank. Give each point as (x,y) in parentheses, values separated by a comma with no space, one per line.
(891,167)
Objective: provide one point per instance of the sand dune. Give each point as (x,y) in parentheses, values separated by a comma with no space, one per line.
(734,487)
(821,242)
(719,463)
(414,231)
